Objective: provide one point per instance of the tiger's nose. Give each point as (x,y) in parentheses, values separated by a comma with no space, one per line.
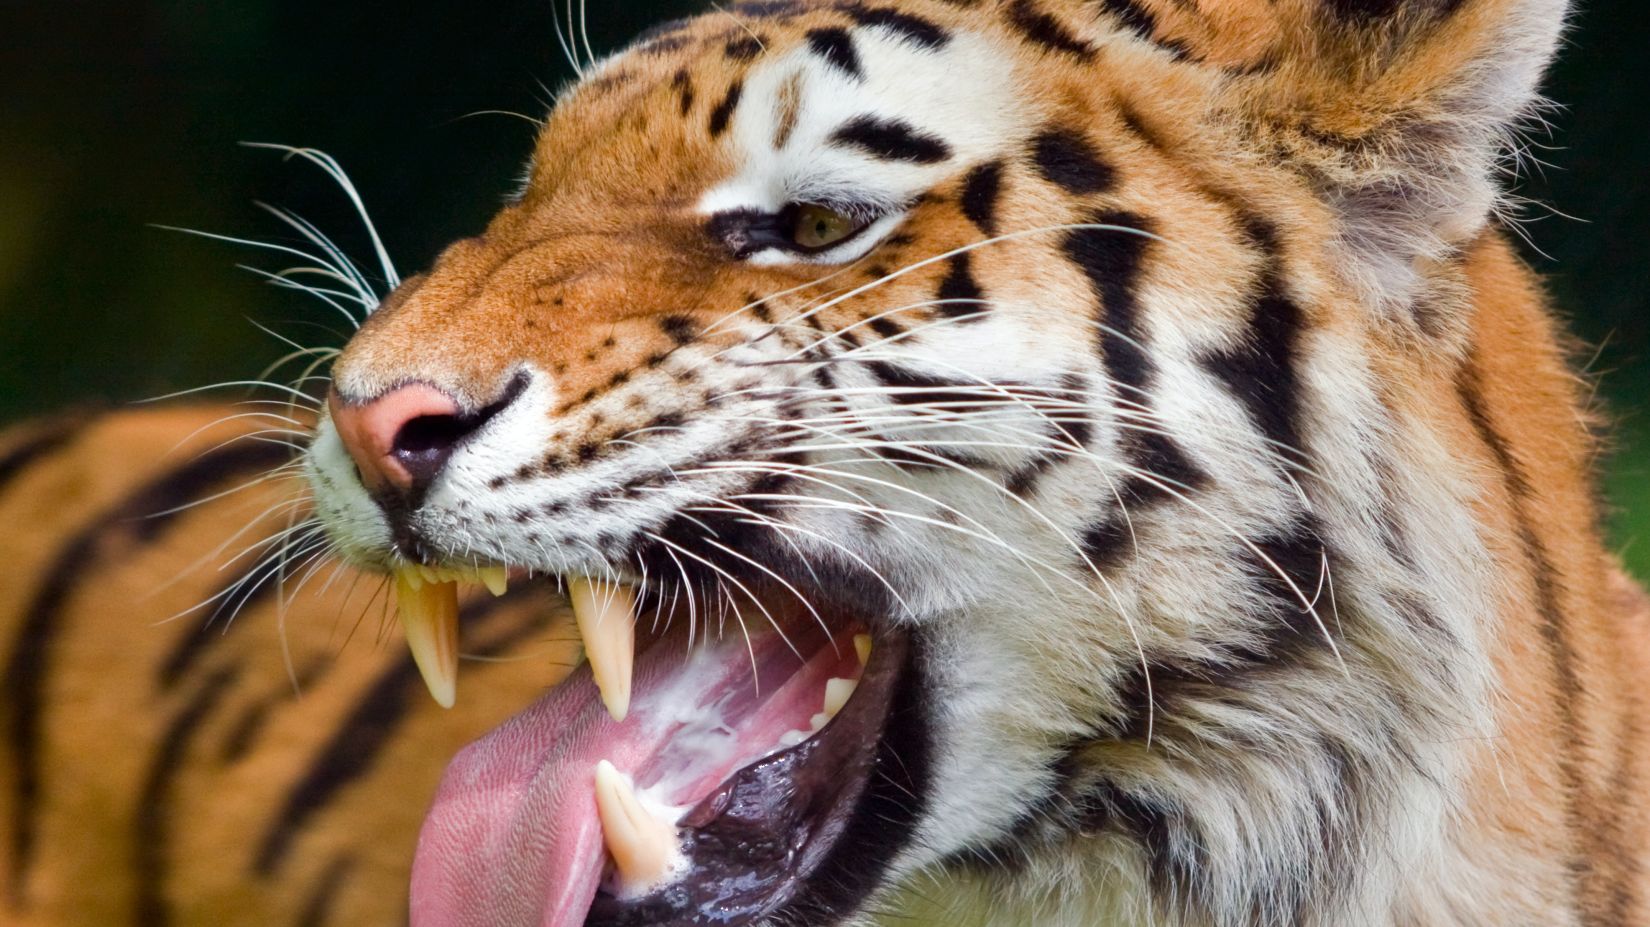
(403,438)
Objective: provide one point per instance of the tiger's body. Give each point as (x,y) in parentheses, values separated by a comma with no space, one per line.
(182,781)
(1150,377)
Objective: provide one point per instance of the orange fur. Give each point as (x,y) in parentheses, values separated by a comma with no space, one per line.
(1222,113)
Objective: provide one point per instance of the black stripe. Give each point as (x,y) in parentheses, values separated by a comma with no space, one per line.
(1260,371)
(22,685)
(960,295)
(836,46)
(249,589)
(151,830)
(355,746)
(317,909)
(884,327)
(242,734)
(1066,159)
(743,48)
(923,389)
(1176,857)
(1165,470)
(1367,12)
(911,28)
(769,9)
(42,441)
(1551,628)
(723,113)
(1071,433)
(891,140)
(981,188)
(1133,16)
(1106,541)
(1294,557)
(1112,261)
(1045,30)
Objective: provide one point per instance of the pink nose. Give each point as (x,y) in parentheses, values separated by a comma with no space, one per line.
(403,437)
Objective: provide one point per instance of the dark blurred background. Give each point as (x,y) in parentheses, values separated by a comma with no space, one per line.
(116,115)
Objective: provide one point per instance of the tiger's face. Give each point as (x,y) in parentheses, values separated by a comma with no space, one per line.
(915,404)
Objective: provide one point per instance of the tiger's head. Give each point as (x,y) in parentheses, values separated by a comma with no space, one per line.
(987,449)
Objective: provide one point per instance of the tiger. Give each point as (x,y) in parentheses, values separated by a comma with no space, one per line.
(971,463)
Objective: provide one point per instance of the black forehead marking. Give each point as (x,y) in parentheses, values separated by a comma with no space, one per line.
(980,192)
(723,113)
(743,48)
(914,29)
(1065,158)
(1043,29)
(891,140)
(836,46)
(684,88)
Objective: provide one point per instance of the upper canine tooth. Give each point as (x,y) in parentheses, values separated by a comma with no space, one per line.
(429,616)
(862,648)
(495,578)
(642,846)
(605,613)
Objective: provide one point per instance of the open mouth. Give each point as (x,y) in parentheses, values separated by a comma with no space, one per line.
(697,769)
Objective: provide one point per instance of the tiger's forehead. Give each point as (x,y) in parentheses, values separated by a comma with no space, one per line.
(768,101)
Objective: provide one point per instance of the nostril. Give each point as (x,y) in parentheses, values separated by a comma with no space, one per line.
(423,444)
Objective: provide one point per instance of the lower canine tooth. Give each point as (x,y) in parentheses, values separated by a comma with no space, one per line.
(605,613)
(837,692)
(642,846)
(429,616)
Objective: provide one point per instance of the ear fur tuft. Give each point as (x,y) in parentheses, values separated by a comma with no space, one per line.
(1403,114)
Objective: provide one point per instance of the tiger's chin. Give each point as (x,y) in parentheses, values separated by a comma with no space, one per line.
(698,768)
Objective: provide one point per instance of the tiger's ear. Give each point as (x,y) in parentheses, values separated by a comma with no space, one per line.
(1401,113)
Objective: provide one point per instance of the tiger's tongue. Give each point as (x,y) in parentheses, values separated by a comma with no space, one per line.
(514,837)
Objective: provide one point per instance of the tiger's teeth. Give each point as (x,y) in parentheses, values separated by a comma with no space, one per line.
(642,846)
(604,612)
(495,578)
(429,616)
(837,693)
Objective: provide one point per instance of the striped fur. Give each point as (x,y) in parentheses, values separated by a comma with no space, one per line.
(1180,389)
(164,773)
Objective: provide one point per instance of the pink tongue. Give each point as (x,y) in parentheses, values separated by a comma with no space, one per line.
(513,838)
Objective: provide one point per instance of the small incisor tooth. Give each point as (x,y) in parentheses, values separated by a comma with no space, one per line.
(642,846)
(605,613)
(429,616)
(495,578)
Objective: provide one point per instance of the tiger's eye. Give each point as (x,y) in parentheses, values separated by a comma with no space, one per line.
(820,227)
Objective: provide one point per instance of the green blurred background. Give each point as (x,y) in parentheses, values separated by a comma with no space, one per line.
(116,115)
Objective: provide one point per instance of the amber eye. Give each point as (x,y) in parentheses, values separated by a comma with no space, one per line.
(814,227)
